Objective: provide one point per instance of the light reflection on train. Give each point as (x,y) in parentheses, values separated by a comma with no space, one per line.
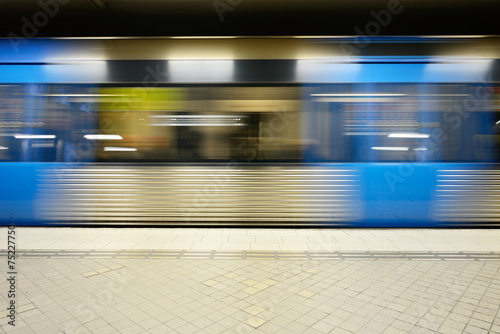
(380,153)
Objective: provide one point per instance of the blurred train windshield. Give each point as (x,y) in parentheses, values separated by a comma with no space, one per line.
(287,123)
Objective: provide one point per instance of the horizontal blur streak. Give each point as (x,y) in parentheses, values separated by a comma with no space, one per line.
(34,136)
(358,94)
(408,135)
(120,149)
(159,193)
(103,137)
(390,148)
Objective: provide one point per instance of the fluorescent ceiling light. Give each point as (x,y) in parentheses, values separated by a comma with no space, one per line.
(202,37)
(408,135)
(382,148)
(96,37)
(97,61)
(355,36)
(325,37)
(420,149)
(456,36)
(103,137)
(120,149)
(260,37)
(3,148)
(34,136)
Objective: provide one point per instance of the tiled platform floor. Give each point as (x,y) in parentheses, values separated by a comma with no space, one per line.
(126,293)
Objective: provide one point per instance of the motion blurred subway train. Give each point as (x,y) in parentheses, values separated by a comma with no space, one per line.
(250,131)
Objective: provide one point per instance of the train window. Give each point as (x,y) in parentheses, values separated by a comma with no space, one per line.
(48,122)
(494,138)
(465,123)
(11,120)
(201,123)
(43,122)
(399,123)
(353,122)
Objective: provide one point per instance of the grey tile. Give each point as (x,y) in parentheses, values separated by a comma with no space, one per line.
(168,295)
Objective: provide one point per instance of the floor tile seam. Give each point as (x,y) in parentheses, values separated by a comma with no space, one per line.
(239,250)
(270,254)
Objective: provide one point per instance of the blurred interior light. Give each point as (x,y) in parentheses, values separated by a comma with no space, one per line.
(354,94)
(408,135)
(355,99)
(420,149)
(194,116)
(389,148)
(120,149)
(3,148)
(81,95)
(34,136)
(196,120)
(497,122)
(103,137)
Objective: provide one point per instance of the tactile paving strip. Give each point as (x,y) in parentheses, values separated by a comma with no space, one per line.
(253,255)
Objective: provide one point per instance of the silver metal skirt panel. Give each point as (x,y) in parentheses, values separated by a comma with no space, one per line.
(468,195)
(216,194)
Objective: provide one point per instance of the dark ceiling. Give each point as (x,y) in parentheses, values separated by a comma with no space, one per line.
(72,18)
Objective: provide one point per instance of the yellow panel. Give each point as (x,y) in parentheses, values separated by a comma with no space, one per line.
(141,99)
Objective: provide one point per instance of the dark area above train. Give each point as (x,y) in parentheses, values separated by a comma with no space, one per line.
(64,18)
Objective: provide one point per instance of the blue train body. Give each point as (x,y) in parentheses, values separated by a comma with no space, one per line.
(373,141)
